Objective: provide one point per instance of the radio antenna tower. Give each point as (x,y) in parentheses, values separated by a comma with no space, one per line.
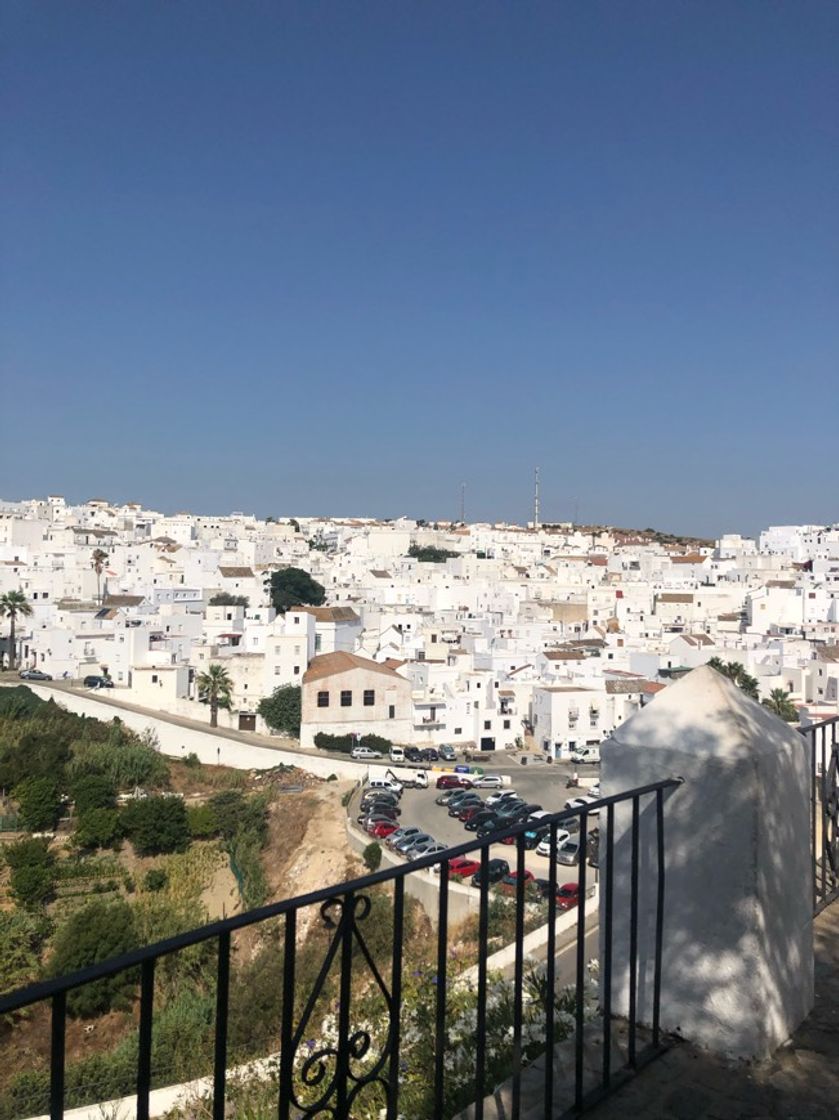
(463,503)
(536,499)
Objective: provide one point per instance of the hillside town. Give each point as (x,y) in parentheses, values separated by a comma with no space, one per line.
(485,637)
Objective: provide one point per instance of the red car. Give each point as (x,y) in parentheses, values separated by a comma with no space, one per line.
(567,896)
(382,830)
(453,781)
(508,883)
(469,811)
(461,866)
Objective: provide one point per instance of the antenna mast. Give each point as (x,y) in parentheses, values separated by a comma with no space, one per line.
(536,499)
(463,503)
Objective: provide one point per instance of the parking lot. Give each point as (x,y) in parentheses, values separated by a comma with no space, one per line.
(544,785)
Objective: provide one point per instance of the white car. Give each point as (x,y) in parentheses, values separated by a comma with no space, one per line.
(500,795)
(364,753)
(488,781)
(582,802)
(543,848)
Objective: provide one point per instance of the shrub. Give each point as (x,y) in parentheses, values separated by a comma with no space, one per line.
(39,804)
(372,856)
(192,761)
(95,933)
(345,743)
(202,822)
(97,828)
(156,879)
(157,824)
(32,867)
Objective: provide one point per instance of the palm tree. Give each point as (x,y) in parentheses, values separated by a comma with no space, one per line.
(779,702)
(737,673)
(97,562)
(214,688)
(12,604)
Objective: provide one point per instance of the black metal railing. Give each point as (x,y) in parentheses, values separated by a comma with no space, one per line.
(356,1063)
(823,740)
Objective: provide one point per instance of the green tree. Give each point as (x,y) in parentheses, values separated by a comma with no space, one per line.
(779,702)
(99,931)
(292,587)
(92,791)
(427,554)
(97,562)
(157,824)
(32,867)
(215,688)
(20,942)
(39,804)
(281,710)
(12,604)
(225,599)
(97,828)
(735,672)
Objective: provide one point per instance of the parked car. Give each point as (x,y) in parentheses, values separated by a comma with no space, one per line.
(489,828)
(363,753)
(582,802)
(569,852)
(509,882)
(488,781)
(429,754)
(501,795)
(445,797)
(413,754)
(593,848)
(402,834)
(98,682)
(383,829)
(462,795)
(379,796)
(407,842)
(33,675)
(471,809)
(495,871)
(509,806)
(447,753)
(568,896)
(461,866)
(456,806)
(478,819)
(381,809)
(454,781)
(426,849)
(543,848)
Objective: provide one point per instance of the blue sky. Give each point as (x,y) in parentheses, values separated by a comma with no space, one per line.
(339,257)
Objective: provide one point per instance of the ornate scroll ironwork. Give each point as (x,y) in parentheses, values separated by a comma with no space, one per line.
(332,1076)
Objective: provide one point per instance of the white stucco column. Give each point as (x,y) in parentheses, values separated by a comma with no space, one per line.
(737,961)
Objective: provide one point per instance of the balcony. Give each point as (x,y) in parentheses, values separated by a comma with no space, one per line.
(367,1029)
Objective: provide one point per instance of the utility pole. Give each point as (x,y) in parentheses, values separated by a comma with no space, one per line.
(536,500)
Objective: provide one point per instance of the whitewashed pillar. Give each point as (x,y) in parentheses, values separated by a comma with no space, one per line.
(737,960)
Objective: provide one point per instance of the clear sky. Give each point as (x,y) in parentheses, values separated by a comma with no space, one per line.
(337,258)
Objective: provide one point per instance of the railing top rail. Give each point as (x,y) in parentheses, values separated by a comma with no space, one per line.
(45,989)
(820,723)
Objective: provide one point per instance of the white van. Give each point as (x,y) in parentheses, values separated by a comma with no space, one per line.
(397,754)
(385,783)
(586,754)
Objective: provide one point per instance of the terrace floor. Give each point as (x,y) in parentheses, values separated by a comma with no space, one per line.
(801,1081)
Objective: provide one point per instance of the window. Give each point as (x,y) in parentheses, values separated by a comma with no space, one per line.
(276,670)
(391,711)
(434,636)
(369,697)
(346,698)
(297,620)
(458,731)
(154,678)
(317,642)
(323,699)
(296,670)
(506,725)
(487,725)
